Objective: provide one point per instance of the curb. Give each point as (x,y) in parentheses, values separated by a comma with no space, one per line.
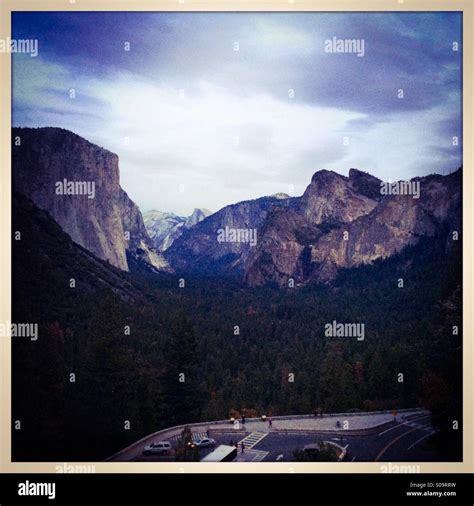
(170,431)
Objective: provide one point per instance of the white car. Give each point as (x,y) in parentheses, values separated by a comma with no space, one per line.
(160,448)
(205,442)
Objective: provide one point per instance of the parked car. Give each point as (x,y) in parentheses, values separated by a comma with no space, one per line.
(160,448)
(205,442)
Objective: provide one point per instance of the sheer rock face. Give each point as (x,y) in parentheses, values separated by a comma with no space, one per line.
(279,251)
(56,253)
(334,198)
(327,235)
(398,221)
(98,220)
(199,247)
(284,250)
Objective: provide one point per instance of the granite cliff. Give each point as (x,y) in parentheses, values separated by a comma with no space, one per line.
(78,183)
(339,222)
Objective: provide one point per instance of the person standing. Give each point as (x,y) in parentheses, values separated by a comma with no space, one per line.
(243,419)
(242,448)
(270,422)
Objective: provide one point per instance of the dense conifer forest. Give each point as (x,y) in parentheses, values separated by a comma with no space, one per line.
(113,347)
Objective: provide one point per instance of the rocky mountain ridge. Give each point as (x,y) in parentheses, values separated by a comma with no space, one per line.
(198,249)
(78,183)
(339,222)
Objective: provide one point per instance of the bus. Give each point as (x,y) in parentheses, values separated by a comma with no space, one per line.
(223,453)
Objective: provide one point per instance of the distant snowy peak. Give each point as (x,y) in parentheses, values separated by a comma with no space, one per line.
(164,228)
(198,215)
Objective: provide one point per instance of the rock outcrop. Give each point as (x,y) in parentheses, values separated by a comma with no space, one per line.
(325,235)
(78,183)
(164,228)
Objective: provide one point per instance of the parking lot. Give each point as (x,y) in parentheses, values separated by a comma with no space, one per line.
(406,441)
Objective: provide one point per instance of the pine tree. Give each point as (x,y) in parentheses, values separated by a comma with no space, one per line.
(186,450)
(180,379)
(108,382)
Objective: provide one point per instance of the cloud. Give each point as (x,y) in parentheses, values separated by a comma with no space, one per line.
(182,108)
(243,147)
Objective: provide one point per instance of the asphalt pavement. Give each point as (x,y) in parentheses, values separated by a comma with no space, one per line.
(406,440)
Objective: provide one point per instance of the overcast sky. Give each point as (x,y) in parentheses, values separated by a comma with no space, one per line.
(197,123)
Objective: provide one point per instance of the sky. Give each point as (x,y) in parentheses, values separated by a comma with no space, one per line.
(208,109)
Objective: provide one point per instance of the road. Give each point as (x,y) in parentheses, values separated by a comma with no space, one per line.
(406,440)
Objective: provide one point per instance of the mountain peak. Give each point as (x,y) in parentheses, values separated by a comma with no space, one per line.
(353,172)
(164,228)
(198,215)
(280,195)
(201,210)
(155,214)
(365,184)
(325,175)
